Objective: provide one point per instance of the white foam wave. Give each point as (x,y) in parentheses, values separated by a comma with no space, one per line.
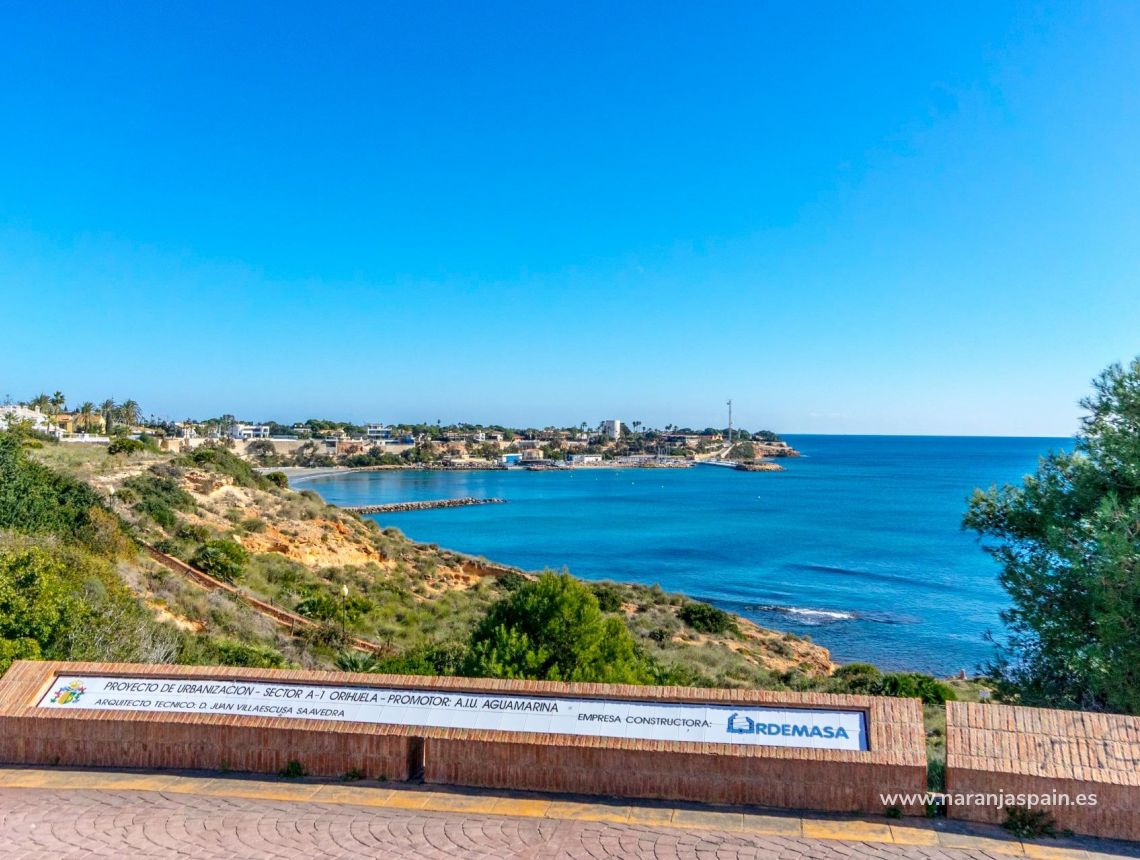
(812,616)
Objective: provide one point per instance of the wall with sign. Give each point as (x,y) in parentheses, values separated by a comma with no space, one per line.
(800,750)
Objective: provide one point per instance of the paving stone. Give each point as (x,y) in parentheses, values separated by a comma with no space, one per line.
(85,823)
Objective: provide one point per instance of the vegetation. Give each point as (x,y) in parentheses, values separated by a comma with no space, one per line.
(552,629)
(1029,823)
(157,495)
(706,619)
(1068,541)
(62,602)
(223,559)
(218,459)
(38,500)
(865,679)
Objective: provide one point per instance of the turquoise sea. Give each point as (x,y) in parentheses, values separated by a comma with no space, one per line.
(857,543)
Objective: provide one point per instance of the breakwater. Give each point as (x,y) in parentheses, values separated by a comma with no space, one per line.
(396,507)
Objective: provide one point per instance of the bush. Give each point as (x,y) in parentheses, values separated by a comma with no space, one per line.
(552,629)
(865,679)
(229,653)
(609,598)
(323,606)
(192,532)
(1029,823)
(858,678)
(444,659)
(278,479)
(511,580)
(916,686)
(127,445)
(223,559)
(38,500)
(159,496)
(227,463)
(293,770)
(706,619)
(65,603)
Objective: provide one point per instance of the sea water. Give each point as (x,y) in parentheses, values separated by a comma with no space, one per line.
(857,544)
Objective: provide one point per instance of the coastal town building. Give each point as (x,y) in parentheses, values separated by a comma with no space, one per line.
(611,427)
(377,431)
(583,459)
(14,414)
(77,422)
(249,431)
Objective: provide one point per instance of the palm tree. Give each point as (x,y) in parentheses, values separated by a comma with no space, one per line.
(86,413)
(41,402)
(354,661)
(130,413)
(58,402)
(107,408)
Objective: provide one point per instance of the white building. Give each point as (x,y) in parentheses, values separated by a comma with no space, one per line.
(249,431)
(583,459)
(14,413)
(611,427)
(378,431)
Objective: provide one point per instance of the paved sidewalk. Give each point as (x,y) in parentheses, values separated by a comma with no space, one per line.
(61,813)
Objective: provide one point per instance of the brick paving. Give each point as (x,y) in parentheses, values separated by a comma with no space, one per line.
(82,823)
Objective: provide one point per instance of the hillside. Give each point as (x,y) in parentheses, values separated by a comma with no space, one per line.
(299,554)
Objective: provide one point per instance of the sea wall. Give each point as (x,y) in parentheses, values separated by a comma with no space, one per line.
(427,505)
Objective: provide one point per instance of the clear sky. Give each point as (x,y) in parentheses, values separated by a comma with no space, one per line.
(850,218)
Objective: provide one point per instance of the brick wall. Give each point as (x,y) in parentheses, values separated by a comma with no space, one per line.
(833,780)
(794,783)
(1000,749)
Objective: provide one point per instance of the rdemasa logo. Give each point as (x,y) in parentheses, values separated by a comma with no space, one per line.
(744,725)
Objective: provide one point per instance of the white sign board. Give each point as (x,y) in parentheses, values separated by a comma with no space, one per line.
(741,724)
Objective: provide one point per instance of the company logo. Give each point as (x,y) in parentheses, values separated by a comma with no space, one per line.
(736,727)
(68,695)
(745,725)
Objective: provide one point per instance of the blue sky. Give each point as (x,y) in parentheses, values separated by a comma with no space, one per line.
(850,218)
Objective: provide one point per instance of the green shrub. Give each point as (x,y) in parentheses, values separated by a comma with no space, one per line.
(36,499)
(277,479)
(66,603)
(511,580)
(865,679)
(293,770)
(444,659)
(918,686)
(228,653)
(858,678)
(552,629)
(1029,823)
(253,524)
(936,774)
(609,598)
(159,496)
(323,606)
(225,462)
(125,445)
(18,649)
(192,532)
(706,619)
(223,559)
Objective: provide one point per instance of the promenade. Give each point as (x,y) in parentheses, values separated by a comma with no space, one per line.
(77,814)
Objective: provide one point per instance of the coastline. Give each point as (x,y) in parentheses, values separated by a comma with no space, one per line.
(815,554)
